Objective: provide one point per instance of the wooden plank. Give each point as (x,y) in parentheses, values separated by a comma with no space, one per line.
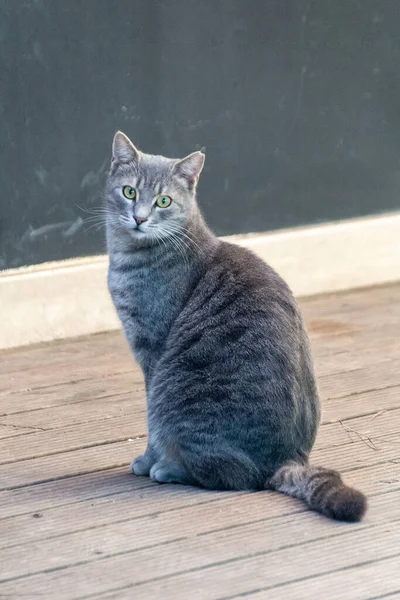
(87,460)
(331,319)
(73,413)
(224,518)
(94,487)
(348,335)
(71,392)
(73,351)
(356,381)
(69,490)
(70,360)
(376,479)
(379,579)
(359,454)
(132,425)
(366,428)
(8,431)
(43,378)
(228,560)
(325,322)
(376,425)
(355,356)
(363,341)
(126,593)
(144,504)
(386,596)
(365,403)
(233,576)
(128,535)
(352,300)
(383,575)
(123,499)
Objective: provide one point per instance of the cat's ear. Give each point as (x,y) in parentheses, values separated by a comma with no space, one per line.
(123,151)
(189,168)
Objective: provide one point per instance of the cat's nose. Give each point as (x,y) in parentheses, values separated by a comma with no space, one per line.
(139,220)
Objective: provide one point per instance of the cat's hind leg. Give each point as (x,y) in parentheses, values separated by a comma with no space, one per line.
(223,469)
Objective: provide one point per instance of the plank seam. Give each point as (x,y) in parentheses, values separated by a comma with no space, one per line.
(204,567)
(309,577)
(265,519)
(237,559)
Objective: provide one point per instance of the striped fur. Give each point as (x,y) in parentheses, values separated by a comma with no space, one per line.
(322,489)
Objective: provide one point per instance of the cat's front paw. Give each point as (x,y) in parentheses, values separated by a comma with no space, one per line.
(141,466)
(167,472)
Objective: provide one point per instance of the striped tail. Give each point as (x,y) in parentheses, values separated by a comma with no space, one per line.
(322,489)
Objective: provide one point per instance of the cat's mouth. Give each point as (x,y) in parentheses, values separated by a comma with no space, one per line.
(133,228)
(137,230)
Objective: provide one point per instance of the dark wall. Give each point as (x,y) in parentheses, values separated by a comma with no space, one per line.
(297,103)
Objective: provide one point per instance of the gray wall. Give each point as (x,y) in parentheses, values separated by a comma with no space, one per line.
(296,102)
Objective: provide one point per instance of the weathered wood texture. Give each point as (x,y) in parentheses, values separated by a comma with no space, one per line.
(75,524)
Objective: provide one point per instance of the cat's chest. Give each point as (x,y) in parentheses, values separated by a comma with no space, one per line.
(146,303)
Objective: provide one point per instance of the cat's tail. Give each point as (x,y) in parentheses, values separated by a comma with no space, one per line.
(322,489)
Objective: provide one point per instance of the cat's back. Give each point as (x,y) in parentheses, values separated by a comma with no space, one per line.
(249,270)
(237,309)
(237,280)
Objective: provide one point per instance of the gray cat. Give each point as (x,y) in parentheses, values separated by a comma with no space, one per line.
(232,400)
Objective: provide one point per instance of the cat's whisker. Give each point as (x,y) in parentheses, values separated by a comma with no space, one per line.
(102,214)
(93,210)
(94,222)
(176,243)
(185,233)
(176,231)
(169,229)
(182,245)
(96,226)
(156,235)
(99,219)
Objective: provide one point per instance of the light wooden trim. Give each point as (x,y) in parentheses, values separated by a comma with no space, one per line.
(70,298)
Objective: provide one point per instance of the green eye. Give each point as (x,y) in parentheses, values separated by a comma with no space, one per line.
(163,201)
(129,192)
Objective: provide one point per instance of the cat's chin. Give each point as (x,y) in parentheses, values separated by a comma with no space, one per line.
(137,234)
(140,239)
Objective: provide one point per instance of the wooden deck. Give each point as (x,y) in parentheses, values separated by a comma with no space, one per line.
(75,524)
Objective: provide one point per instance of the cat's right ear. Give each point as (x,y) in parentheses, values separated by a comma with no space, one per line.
(123,151)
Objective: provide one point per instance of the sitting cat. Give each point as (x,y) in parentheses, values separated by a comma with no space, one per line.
(232,400)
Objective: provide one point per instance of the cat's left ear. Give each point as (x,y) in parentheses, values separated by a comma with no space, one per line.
(189,168)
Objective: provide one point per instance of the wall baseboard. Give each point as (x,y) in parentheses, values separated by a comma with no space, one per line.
(70,298)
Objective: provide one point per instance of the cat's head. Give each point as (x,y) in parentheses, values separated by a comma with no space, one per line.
(148,197)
